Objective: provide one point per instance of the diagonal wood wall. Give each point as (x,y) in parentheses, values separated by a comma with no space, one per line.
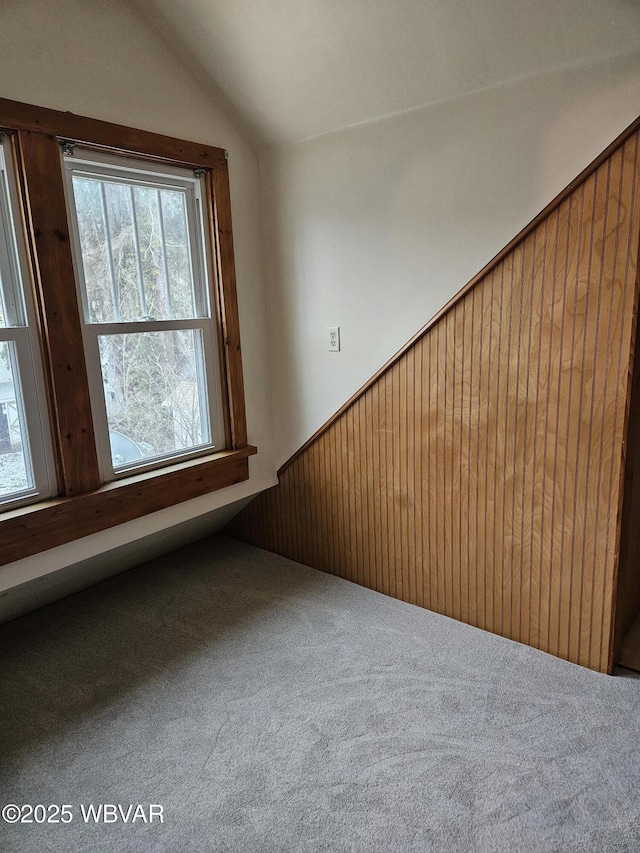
(480,474)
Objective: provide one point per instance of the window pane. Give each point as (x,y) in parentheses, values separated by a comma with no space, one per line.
(100,284)
(15,467)
(155,398)
(123,252)
(136,255)
(158,301)
(174,216)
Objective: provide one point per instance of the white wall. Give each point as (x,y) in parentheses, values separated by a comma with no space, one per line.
(374,228)
(97,58)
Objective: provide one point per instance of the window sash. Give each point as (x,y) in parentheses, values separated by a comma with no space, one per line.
(211,397)
(120,170)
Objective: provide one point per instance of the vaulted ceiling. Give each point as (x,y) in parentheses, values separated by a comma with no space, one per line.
(293,69)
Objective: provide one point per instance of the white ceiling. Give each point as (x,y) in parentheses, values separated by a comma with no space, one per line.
(293,69)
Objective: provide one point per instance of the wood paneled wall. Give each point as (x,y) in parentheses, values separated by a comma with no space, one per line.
(628,581)
(480,473)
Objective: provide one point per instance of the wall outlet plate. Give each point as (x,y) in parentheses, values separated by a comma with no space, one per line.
(334,339)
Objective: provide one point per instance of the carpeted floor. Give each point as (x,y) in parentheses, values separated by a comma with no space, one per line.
(269,707)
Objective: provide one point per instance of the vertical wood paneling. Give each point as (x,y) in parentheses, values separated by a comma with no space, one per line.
(429,576)
(440,497)
(481,473)
(495,441)
(628,589)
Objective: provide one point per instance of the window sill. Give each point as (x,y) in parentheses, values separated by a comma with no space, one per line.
(29,530)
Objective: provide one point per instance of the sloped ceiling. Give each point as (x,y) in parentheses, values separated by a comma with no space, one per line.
(294,69)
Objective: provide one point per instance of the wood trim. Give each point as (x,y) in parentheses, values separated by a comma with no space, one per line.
(30,530)
(52,262)
(481,473)
(229,306)
(15,115)
(493,263)
(217,308)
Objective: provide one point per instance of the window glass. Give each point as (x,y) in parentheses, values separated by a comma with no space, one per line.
(154,393)
(15,463)
(136,251)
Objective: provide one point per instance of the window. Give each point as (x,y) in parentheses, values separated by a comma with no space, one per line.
(120,375)
(144,286)
(25,454)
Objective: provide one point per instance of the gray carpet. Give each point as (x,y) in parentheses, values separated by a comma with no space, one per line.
(270,707)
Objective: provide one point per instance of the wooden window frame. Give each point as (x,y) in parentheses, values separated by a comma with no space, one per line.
(85,506)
